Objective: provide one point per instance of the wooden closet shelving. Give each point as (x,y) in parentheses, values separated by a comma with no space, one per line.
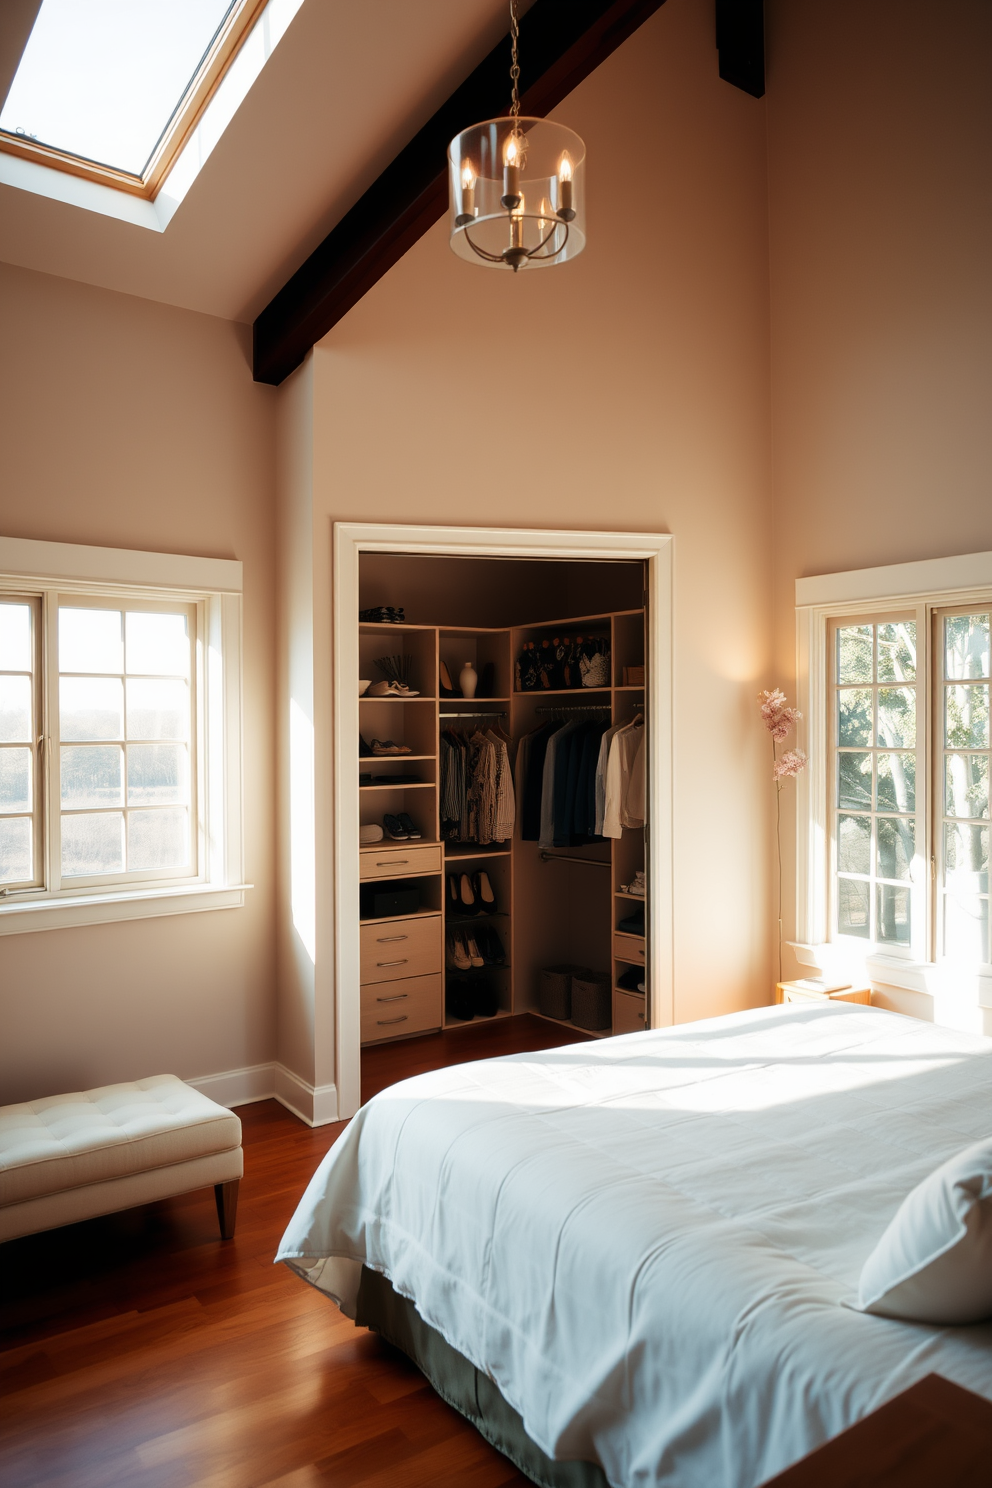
(525,886)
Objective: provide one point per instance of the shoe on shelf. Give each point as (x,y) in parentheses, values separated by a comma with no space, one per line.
(456,953)
(466,896)
(400,690)
(490,946)
(459,999)
(413,833)
(386,746)
(473,951)
(485,898)
(394,828)
(453,900)
(365,751)
(378,689)
(485,999)
(444,681)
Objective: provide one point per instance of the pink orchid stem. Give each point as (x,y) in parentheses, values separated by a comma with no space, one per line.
(778,849)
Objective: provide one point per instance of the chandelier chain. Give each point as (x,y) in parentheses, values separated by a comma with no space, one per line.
(514,64)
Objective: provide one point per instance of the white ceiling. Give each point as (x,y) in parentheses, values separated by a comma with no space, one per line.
(346,88)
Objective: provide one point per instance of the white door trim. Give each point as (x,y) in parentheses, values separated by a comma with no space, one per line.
(350,540)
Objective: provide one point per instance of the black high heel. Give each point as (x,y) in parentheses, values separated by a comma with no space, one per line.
(466,897)
(484,894)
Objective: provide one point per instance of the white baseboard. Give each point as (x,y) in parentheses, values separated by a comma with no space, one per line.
(314,1106)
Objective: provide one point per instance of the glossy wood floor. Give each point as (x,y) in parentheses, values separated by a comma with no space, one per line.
(141,1349)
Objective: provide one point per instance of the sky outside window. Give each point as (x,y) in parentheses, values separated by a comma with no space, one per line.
(102,78)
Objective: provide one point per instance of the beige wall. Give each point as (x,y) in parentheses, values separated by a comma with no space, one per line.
(625,391)
(129,424)
(879,149)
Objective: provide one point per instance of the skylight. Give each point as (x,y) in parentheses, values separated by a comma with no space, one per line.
(107,84)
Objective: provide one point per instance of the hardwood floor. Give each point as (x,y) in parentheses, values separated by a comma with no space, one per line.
(141,1349)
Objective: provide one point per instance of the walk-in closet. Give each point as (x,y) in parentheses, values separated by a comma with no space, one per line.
(502,782)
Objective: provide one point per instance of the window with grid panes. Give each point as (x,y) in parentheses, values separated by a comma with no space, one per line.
(909,788)
(125,728)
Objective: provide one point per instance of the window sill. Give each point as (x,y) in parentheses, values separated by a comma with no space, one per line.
(128,904)
(969,986)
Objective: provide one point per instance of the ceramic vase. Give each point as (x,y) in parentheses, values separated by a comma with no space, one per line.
(468,680)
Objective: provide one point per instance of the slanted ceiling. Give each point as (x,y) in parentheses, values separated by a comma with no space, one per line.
(561,43)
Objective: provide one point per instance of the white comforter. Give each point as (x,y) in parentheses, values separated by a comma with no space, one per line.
(646,1242)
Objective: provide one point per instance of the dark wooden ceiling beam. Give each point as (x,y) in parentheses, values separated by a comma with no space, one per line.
(740,39)
(561,43)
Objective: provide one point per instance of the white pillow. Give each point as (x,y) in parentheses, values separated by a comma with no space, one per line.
(934,1262)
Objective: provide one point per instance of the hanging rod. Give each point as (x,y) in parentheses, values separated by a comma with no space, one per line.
(576,708)
(490,713)
(550,857)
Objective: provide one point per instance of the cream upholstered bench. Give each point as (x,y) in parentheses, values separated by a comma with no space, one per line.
(71,1157)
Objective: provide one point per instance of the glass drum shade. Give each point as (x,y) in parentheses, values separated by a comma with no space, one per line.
(507,215)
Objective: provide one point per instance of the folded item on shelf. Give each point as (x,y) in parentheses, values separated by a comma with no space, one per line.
(632,980)
(372,833)
(633,924)
(638,885)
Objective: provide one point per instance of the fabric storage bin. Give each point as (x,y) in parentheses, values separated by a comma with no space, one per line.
(592,1000)
(554,996)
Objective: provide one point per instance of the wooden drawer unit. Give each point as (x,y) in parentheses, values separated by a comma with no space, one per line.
(399,860)
(392,949)
(395,1009)
(629,948)
(628,1013)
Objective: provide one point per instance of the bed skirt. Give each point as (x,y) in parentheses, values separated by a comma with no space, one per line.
(464,1387)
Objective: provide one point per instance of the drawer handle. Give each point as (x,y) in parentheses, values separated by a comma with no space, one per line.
(392,862)
(398,997)
(385,939)
(393,963)
(384,1022)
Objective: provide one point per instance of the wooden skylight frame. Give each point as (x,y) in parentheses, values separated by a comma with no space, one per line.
(233,32)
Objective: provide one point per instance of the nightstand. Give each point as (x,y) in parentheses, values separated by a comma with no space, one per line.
(797,992)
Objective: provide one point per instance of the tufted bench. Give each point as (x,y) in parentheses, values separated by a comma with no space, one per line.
(71,1157)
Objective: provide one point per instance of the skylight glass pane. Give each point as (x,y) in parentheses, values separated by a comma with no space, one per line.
(102,78)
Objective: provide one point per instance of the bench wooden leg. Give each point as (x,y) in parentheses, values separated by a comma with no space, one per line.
(226,1195)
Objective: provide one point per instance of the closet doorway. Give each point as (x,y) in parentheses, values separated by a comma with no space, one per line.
(508,834)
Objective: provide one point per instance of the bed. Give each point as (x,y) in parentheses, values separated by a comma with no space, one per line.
(645,1245)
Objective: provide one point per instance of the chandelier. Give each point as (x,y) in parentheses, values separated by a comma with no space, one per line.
(516,186)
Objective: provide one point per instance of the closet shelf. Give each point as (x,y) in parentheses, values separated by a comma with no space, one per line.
(386,784)
(628,991)
(474,1022)
(485,700)
(628,689)
(390,759)
(546,692)
(414,914)
(567,1023)
(634,898)
(490,914)
(459,856)
(421,697)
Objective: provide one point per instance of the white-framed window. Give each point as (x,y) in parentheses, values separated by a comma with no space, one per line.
(893,819)
(120,734)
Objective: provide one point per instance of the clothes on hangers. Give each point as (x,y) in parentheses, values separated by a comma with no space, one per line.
(476,787)
(556,782)
(625,780)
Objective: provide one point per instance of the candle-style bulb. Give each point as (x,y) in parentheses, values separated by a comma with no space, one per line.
(468,179)
(545,213)
(565,210)
(512,160)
